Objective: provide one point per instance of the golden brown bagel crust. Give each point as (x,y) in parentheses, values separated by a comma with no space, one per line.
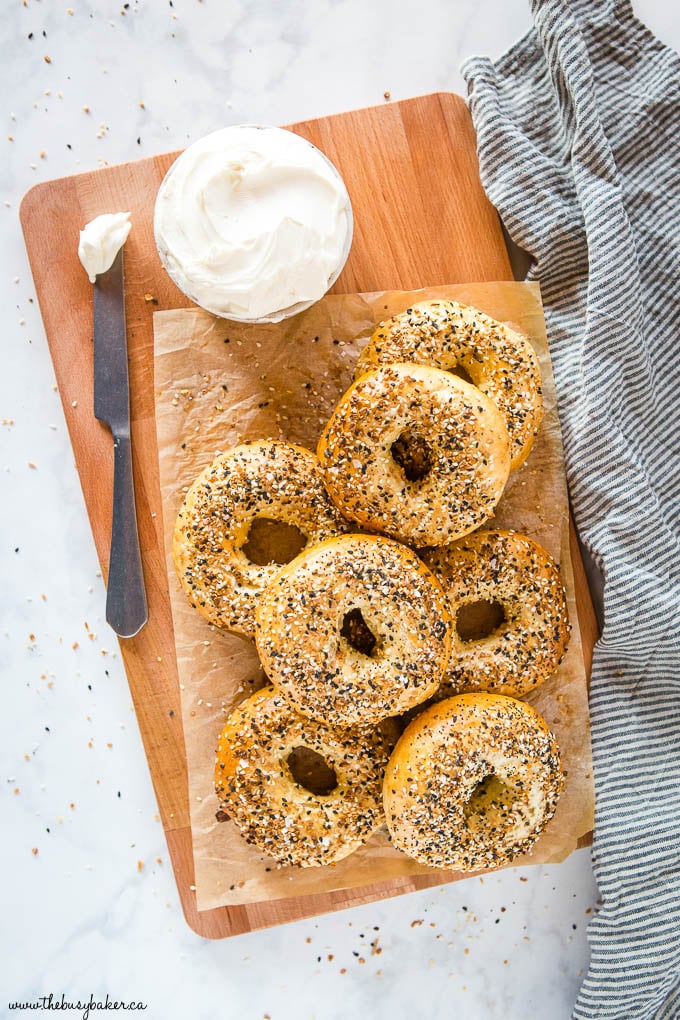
(512,570)
(302,614)
(501,362)
(472,782)
(467,445)
(255,786)
(276,480)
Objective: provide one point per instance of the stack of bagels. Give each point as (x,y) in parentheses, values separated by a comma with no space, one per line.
(386,702)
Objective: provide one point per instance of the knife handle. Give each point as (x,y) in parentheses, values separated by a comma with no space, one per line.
(126,609)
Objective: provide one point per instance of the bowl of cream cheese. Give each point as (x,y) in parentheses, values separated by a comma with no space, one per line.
(253,223)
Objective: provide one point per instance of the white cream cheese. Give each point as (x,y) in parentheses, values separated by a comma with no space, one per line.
(253,223)
(101,240)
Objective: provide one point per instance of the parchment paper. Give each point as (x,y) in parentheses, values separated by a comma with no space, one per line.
(218,383)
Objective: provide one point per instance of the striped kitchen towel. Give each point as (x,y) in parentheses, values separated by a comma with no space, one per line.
(578,130)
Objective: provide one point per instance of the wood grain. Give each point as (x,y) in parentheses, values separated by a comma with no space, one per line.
(421,218)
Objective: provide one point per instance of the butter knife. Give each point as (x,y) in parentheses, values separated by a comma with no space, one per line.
(126,607)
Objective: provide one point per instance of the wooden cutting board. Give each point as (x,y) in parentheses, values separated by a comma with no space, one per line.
(421,218)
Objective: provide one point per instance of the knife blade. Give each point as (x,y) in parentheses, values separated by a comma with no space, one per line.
(126,606)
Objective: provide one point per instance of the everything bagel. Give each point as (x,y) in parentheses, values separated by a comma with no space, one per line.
(354,630)
(274,481)
(450,336)
(415,453)
(256,786)
(472,782)
(515,576)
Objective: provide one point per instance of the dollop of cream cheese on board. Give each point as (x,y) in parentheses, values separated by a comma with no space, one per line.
(101,240)
(251,221)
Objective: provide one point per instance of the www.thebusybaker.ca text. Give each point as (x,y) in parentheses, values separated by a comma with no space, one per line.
(86,1007)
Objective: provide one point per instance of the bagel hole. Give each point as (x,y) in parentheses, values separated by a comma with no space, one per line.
(490,802)
(461,373)
(271,541)
(357,633)
(477,620)
(311,771)
(413,454)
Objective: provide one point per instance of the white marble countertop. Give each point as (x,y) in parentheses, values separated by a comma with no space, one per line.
(89,900)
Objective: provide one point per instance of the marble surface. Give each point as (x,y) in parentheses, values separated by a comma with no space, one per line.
(89,901)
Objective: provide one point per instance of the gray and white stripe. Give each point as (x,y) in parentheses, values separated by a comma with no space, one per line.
(578,130)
